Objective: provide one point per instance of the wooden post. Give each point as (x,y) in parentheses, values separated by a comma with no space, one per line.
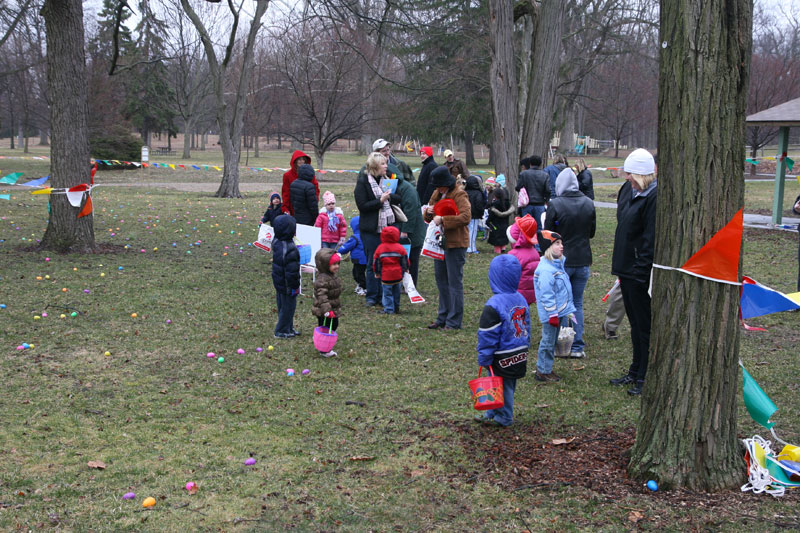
(780,175)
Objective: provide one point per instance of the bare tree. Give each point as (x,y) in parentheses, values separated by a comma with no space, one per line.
(69,111)
(686,434)
(322,75)
(230,114)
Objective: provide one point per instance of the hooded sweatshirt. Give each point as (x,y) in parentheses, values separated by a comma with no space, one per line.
(354,246)
(528,258)
(572,214)
(391,260)
(504,333)
(288,177)
(272,211)
(304,196)
(327,286)
(285,256)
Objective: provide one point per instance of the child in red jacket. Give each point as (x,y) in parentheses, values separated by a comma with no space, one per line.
(389,264)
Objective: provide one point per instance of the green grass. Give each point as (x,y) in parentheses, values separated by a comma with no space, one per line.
(159,413)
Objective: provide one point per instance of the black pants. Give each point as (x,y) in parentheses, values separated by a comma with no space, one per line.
(360,275)
(637,307)
(322,321)
(413,262)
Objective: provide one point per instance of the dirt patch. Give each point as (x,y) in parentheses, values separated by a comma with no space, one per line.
(531,459)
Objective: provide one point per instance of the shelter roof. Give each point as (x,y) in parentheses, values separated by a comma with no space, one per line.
(786,114)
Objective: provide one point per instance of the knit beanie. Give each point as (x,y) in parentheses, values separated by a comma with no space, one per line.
(547,238)
(335,258)
(641,162)
(328,197)
(427,150)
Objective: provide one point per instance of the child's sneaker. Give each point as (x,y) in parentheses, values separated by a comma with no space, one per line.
(328,354)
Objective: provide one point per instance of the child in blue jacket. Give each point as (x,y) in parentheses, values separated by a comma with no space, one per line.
(504,334)
(355,248)
(285,274)
(553,301)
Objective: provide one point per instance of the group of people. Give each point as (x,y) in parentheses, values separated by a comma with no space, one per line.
(548,264)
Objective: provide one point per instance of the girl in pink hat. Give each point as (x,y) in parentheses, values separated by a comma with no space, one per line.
(331,221)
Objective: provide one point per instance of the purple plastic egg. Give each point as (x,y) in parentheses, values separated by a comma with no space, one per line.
(129,496)
(306,371)
(240,351)
(211,354)
(249,461)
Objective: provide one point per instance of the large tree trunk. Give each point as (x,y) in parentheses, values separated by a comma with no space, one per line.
(187,140)
(43,137)
(687,427)
(69,114)
(231,154)
(503,80)
(538,126)
(469,149)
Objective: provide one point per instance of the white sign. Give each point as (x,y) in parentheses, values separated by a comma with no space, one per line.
(145,154)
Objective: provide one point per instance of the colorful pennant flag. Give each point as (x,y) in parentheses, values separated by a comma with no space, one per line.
(718,260)
(87,207)
(758,300)
(756,401)
(5,197)
(12,179)
(37,182)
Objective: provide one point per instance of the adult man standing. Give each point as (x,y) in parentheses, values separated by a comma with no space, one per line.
(385,148)
(572,215)
(456,167)
(537,185)
(424,187)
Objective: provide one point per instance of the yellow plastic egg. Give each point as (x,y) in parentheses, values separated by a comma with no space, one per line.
(107,354)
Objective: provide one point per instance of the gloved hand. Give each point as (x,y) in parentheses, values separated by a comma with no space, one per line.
(330,314)
(553,320)
(295,292)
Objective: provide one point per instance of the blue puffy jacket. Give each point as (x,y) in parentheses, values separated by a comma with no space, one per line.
(285,256)
(504,333)
(553,289)
(354,246)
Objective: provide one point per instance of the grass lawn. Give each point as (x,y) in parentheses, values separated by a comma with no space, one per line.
(378,438)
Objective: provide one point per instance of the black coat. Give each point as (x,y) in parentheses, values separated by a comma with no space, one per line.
(424,188)
(304,200)
(586,183)
(476,200)
(572,215)
(537,184)
(634,240)
(368,205)
(285,256)
(498,223)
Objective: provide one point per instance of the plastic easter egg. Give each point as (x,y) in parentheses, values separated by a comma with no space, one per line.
(64,289)
(149,502)
(120,268)
(62,315)
(220,359)
(39,278)
(44,315)
(270,348)
(259,349)
(31,346)
(47,276)
(47,259)
(191,487)
(74,313)
(2,306)
(20,347)
(169,321)
(306,372)
(107,354)
(102,274)
(37,317)
(249,461)
(652,485)
(240,351)
(211,354)
(25,345)
(290,371)
(134,315)
(129,496)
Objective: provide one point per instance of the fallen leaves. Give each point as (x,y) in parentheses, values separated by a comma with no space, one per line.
(100,465)
(558,442)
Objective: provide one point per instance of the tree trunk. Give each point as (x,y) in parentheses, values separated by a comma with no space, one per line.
(43,137)
(503,81)
(469,149)
(255,147)
(231,154)
(203,139)
(69,113)
(525,49)
(753,155)
(568,127)
(187,141)
(687,426)
(547,46)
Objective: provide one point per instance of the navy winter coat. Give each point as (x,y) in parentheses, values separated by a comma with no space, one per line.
(304,196)
(476,200)
(285,257)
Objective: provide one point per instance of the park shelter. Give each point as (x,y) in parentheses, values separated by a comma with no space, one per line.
(783,117)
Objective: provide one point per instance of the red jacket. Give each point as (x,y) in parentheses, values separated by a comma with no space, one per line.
(391,260)
(291,175)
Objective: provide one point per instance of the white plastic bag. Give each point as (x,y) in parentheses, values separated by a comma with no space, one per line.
(411,290)
(265,236)
(432,247)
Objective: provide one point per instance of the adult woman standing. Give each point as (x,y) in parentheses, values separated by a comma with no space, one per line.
(374,207)
(449,272)
(632,260)
(585,180)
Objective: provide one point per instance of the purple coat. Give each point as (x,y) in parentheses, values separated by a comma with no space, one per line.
(528,257)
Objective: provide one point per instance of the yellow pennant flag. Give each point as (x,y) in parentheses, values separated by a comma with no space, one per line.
(217,168)
(43,191)
(172,166)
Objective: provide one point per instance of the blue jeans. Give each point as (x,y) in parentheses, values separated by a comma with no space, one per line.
(333,245)
(286,307)
(371,242)
(473,234)
(391,298)
(450,282)
(578,277)
(537,214)
(547,349)
(505,415)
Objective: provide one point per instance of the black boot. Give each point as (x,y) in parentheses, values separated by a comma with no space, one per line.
(627,379)
(637,389)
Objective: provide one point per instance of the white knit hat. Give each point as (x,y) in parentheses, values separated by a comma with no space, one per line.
(641,162)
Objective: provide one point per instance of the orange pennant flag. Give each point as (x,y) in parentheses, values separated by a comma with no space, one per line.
(719,258)
(87,207)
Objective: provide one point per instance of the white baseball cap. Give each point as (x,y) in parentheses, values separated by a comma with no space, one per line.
(379,145)
(641,162)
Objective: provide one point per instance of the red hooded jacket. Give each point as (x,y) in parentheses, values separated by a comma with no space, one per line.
(391,260)
(291,175)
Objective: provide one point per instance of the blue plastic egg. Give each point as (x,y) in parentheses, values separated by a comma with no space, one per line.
(652,485)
